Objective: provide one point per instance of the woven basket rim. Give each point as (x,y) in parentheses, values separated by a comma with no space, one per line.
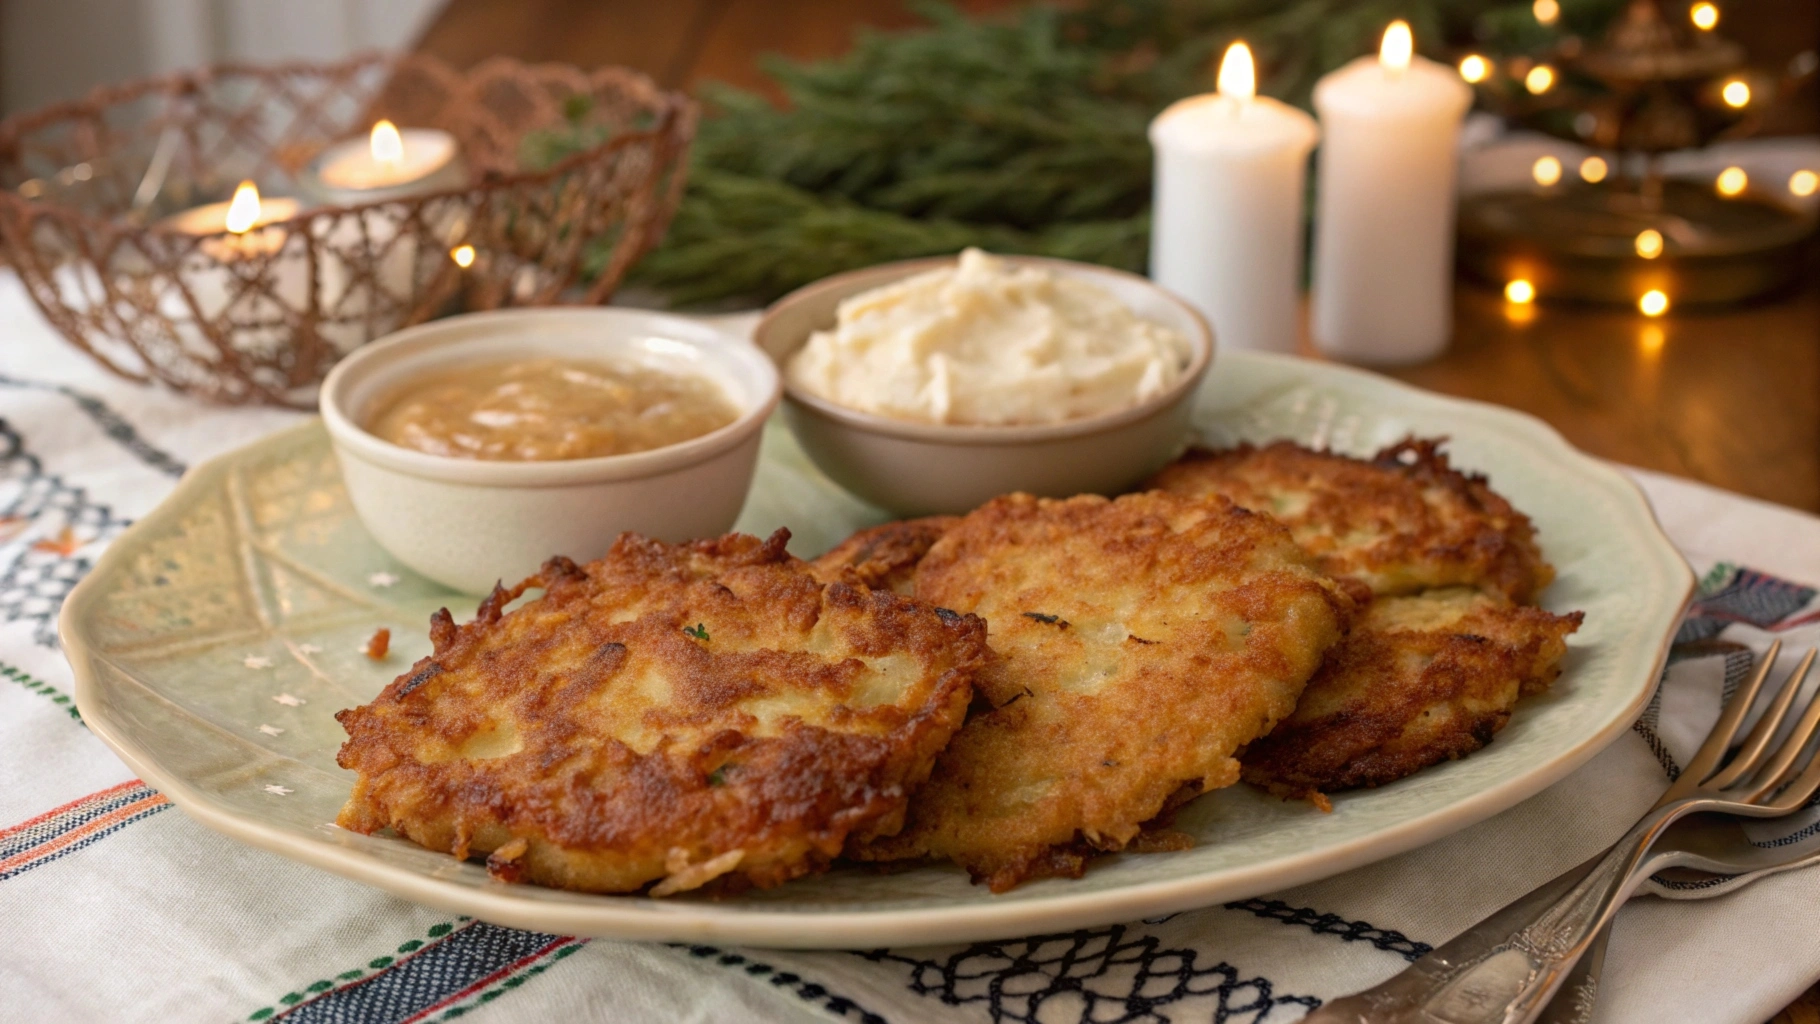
(675,108)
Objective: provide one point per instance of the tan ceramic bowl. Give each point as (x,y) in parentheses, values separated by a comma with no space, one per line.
(928,469)
(467,524)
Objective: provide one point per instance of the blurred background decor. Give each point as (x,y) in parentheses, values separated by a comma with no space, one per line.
(1611,223)
(99,214)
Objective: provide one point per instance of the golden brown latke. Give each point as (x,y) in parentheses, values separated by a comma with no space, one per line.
(673,712)
(1398,523)
(1137,644)
(1418,681)
(883,557)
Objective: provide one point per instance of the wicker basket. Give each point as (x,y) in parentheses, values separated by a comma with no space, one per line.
(572,176)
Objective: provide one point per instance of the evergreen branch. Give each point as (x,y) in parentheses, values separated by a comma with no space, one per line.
(1023,135)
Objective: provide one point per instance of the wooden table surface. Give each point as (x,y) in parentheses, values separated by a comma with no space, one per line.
(1728,397)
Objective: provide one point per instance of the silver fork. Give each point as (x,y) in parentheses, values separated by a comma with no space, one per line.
(1504,969)
(1739,858)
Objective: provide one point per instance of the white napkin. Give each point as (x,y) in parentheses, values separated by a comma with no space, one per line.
(116,907)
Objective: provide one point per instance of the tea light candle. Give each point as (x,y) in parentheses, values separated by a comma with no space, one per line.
(239,216)
(243,247)
(1226,232)
(1384,220)
(387,164)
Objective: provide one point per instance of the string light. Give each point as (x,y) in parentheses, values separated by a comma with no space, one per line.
(463,255)
(1803,182)
(1594,169)
(1736,94)
(1540,79)
(1653,303)
(1520,292)
(1649,243)
(1705,16)
(1474,68)
(1547,171)
(1546,11)
(1731,181)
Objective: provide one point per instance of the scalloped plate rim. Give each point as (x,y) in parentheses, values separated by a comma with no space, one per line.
(984,919)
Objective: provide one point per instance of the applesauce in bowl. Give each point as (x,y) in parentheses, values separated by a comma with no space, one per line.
(549,408)
(469,521)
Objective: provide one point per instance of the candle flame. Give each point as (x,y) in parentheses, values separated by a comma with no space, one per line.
(1238,75)
(387,144)
(243,211)
(1398,47)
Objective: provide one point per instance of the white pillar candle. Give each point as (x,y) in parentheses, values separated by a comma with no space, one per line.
(1226,227)
(1384,220)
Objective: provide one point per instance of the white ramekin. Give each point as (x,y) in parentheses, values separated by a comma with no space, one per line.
(927,469)
(466,523)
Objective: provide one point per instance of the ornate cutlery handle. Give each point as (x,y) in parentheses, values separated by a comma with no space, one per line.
(1504,969)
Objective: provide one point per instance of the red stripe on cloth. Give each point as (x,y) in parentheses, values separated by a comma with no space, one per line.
(503,972)
(72,805)
(76,835)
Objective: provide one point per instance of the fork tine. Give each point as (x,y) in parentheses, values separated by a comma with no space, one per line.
(1774,773)
(1750,753)
(1719,740)
(1798,792)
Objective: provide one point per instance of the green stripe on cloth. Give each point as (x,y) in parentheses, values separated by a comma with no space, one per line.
(39,686)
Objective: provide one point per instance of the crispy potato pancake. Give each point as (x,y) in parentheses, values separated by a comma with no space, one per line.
(1138,643)
(1398,523)
(883,557)
(670,713)
(1419,680)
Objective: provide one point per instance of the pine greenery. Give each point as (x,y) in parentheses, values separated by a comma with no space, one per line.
(1022,135)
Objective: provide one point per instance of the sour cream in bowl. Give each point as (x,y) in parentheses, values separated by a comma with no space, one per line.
(930,386)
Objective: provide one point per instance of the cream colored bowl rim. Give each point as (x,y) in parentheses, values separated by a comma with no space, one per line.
(467,328)
(1200,342)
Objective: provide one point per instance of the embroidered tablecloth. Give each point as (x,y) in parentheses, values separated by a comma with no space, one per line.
(115,907)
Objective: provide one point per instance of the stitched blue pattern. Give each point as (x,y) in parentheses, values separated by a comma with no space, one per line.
(1333,924)
(52,827)
(840,1006)
(1748,596)
(1113,975)
(114,425)
(34,582)
(47,831)
(442,973)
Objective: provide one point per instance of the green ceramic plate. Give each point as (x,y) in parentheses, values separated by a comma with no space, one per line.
(217,638)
